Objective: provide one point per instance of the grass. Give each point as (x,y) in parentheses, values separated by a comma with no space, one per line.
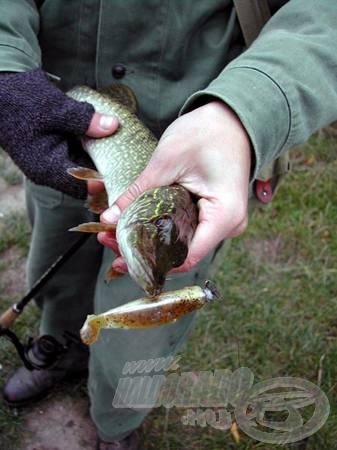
(8,171)
(14,231)
(14,237)
(278,316)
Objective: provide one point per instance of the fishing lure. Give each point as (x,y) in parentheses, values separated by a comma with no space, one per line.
(150,312)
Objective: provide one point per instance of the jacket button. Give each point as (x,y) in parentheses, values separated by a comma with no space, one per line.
(118,71)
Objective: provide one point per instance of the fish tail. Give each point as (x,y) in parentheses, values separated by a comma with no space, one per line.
(90,331)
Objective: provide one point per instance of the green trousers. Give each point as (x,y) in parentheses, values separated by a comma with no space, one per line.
(78,288)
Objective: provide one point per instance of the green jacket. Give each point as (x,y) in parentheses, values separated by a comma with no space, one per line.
(176,54)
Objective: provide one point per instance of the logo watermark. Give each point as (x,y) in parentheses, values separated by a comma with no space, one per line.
(216,398)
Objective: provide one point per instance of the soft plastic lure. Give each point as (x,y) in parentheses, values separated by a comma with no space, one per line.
(150,312)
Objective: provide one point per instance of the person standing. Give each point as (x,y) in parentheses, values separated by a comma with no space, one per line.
(220,113)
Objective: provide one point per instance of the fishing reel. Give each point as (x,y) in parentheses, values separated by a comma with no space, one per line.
(42,352)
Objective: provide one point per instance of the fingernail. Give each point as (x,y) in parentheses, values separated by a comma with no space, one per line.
(112,214)
(106,122)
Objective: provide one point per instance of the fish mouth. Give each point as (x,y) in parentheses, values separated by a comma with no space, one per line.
(139,249)
(142,269)
(151,250)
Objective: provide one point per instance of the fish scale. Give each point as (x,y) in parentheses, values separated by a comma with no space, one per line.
(121,159)
(153,232)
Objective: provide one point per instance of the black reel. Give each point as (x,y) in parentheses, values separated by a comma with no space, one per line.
(42,352)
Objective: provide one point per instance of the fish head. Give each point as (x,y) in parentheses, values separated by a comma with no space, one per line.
(151,249)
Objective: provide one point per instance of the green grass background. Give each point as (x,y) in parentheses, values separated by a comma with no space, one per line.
(278,317)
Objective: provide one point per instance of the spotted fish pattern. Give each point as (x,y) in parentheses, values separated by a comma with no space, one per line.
(154,232)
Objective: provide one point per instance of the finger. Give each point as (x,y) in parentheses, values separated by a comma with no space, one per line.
(95,187)
(102,125)
(216,222)
(142,184)
(119,265)
(156,174)
(109,240)
(202,243)
(111,215)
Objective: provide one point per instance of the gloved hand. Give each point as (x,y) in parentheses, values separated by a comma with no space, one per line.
(38,128)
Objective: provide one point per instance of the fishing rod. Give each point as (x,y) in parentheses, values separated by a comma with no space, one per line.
(44,351)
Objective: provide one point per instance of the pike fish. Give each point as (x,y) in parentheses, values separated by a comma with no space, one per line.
(154,232)
(146,313)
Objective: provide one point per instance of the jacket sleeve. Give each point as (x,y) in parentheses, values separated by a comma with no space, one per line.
(284,87)
(19,27)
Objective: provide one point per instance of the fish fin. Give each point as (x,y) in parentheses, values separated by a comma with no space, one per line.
(94,227)
(97,203)
(123,94)
(112,273)
(84,173)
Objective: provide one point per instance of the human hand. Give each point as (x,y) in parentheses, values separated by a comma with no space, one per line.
(208,152)
(38,126)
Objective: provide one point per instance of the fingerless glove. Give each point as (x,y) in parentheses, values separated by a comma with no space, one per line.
(38,129)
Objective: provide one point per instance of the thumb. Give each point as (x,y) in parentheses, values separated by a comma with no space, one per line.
(139,186)
(151,177)
(102,125)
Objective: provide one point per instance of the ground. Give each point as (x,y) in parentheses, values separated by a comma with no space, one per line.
(278,316)
(58,422)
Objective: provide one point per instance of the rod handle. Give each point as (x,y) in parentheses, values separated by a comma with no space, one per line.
(9,317)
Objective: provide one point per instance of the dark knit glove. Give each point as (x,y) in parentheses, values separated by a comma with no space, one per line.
(38,129)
